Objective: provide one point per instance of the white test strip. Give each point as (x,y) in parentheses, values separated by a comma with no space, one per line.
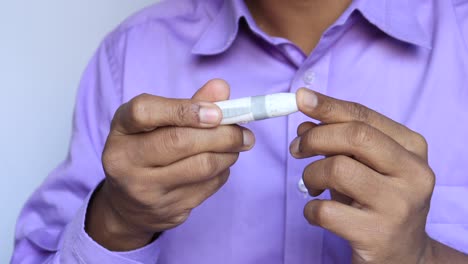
(248,109)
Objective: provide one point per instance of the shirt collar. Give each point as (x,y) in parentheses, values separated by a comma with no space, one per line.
(398,19)
(394,17)
(222,31)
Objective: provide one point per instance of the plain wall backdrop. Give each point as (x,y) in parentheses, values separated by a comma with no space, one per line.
(44,48)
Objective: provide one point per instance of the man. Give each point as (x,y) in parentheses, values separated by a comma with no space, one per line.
(145,179)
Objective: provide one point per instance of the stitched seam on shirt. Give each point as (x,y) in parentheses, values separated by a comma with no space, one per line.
(113,69)
(76,255)
(457,19)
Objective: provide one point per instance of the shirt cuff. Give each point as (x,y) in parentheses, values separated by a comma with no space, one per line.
(79,247)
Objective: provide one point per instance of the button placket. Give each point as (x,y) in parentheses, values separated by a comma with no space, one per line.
(297,230)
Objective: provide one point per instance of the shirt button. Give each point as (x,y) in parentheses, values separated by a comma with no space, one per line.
(309,77)
(301,186)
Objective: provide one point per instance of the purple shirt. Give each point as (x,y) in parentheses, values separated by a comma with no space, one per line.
(406,59)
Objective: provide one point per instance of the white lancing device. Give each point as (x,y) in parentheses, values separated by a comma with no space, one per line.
(243,110)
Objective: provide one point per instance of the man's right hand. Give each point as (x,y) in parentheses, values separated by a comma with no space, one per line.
(163,157)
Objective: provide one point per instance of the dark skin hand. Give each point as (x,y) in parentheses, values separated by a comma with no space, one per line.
(379,177)
(163,157)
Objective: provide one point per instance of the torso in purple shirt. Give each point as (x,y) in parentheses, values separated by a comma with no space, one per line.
(405,59)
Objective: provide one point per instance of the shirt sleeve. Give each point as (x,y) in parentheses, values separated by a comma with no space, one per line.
(50,228)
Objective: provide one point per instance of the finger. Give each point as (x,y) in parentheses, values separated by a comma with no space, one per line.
(330,110)
(361,141)
(343,220)
(194,169)
(192,195)
(213,91)
(146,112)
(339,197)
(170,144)
(304,127)
(346,176)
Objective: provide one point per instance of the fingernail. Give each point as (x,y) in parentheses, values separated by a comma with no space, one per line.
(249,138)
(294,147)
(309,99)
(208,114)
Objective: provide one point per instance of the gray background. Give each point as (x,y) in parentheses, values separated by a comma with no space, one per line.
(44,47)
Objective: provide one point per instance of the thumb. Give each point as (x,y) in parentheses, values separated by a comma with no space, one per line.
(213,91)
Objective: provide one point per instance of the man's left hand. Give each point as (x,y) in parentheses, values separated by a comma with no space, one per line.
(378,175)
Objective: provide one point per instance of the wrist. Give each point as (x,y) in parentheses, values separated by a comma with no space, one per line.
(106,226)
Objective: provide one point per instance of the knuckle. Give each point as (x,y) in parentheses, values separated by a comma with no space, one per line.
(226,160)
(308,140)
(233,157)
(184,111)
(177,139)
(195,202)
(418,144)
(428,180)
(117,115)
(328,109)
(180,218)
(137,108)
(419,140)
(208,162)
(163,212)
(336,166)
(359,112)
(113,162)
(223,177)
(360,134)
